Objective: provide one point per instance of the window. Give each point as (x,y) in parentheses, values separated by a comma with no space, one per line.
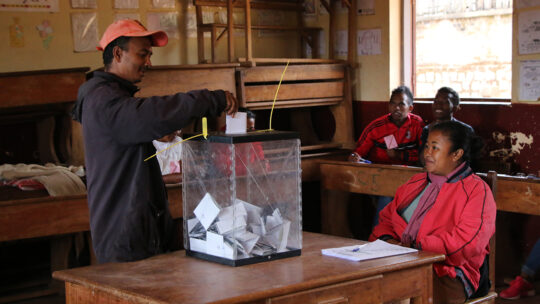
(466,45)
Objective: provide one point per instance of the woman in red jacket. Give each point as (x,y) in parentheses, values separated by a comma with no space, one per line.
(448,210)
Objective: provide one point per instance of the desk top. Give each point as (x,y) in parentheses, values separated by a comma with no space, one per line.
(174,277)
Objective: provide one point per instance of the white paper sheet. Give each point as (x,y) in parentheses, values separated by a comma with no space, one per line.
(529,32)
(373,250)
(236,124)
(529,80)
(207,210)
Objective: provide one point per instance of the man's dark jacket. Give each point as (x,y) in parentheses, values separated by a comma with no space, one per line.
(129,214)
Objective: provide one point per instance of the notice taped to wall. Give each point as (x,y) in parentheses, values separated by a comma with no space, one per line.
(529,80)
(29,6)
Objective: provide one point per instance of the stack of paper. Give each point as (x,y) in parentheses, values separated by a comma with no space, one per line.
(373,250)
(218,231)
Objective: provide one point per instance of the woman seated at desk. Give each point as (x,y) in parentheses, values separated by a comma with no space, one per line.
(448,210)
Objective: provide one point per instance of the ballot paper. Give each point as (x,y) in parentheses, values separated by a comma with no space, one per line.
(253,212)
(196,229)
(196,244)
(216,245)
(236,124)
(390,141)
(248,240)
(373,250)
(273,220)
(207,210)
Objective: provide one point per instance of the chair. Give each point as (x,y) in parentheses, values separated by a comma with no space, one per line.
(491,179)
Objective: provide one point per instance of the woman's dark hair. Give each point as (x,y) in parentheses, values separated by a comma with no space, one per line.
(462,137)
(452,94)
(121,41)
(403,90)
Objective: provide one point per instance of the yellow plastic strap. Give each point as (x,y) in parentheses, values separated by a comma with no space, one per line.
(204,128)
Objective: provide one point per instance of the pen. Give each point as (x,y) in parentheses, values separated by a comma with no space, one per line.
(356,249)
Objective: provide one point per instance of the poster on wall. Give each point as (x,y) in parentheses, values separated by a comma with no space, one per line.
(529,32)
(123,16)
(163,3)
(368,42)
(85,33)
(340,43)
(365,7)
(29,6)
(83,4)
(529,80)
(167,22)
(126,4)
(191,24)
(45,32)
(16,34)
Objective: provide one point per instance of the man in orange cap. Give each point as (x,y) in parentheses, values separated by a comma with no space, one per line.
(129,214)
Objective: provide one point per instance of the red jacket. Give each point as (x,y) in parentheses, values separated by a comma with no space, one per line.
(371,144)
(459,224)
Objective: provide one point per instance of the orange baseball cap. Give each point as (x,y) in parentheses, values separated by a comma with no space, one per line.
(131,28)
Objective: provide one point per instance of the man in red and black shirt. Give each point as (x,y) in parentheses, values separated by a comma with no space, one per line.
(395,137)
(391,139)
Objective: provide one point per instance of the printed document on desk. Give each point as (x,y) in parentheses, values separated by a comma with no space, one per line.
(373,250)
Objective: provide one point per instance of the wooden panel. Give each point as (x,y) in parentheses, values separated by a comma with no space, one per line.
(362,178)
(518,195)
(40,87)
(294,91)
(297,103)
(293,73)
(407,283)
(75,293)
(363,291)
(47,216)
(43,217)
(170,81)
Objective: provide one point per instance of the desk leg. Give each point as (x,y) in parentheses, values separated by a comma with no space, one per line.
(60,248)
(427,291)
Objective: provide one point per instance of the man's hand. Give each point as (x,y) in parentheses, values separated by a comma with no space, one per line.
(232,104)
(393,154)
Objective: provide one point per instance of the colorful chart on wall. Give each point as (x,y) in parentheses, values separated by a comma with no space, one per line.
(29,6)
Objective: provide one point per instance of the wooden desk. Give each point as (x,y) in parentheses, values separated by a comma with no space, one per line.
(50,216)
(309,278)
(514,194)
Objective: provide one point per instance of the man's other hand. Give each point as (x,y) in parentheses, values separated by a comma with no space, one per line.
(232,104)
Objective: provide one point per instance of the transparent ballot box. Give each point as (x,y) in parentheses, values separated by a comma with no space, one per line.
(242,197)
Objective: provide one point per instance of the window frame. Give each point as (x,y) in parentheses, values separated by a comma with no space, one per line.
(408,10)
